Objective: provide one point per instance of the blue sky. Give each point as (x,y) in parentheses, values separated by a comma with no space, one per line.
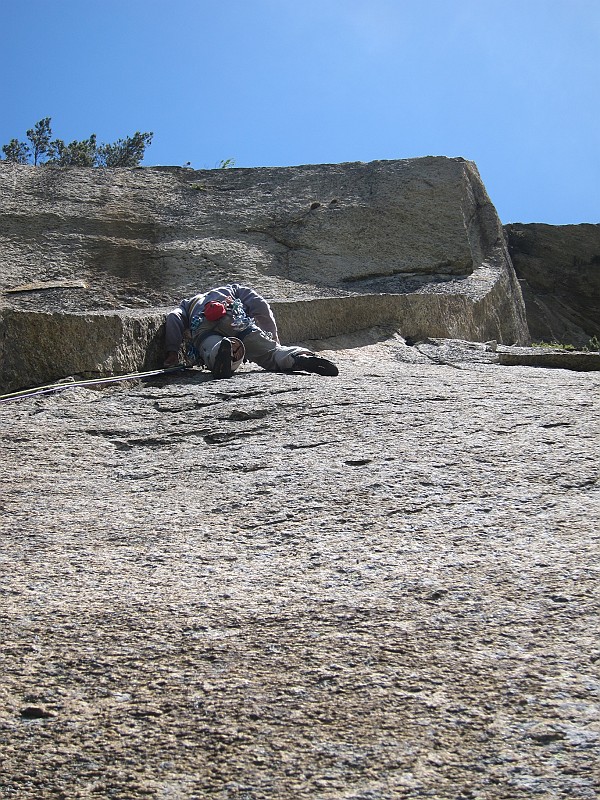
(513,85)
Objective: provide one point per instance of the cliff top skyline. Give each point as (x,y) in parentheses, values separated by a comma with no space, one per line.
(508,85)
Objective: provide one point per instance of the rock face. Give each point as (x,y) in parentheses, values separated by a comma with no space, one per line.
(337,248)
(559,270)
(377,586)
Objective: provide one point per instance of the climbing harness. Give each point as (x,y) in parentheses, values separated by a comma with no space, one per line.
(213,312)
(57,387)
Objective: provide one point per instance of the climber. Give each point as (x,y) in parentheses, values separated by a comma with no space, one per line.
(228,325)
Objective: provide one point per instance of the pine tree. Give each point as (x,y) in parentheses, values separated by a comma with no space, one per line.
(126,152)
(16,151)
(75,154)
(39,136)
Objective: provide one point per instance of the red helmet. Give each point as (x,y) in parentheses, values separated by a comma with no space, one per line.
(214,311)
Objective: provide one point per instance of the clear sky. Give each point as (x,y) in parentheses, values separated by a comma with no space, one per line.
(513,85)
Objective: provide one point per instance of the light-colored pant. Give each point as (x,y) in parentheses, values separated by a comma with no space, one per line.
(260,348)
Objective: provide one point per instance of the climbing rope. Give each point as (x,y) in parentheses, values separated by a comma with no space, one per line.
(57,387)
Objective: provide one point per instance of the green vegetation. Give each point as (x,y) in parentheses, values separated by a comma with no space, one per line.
(124,152)
(42,149)
(594,344)
(553,345)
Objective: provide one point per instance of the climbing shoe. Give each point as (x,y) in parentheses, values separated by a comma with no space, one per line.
(222,365)
(316,364)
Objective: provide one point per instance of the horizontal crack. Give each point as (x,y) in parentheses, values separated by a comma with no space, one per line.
(307,446)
